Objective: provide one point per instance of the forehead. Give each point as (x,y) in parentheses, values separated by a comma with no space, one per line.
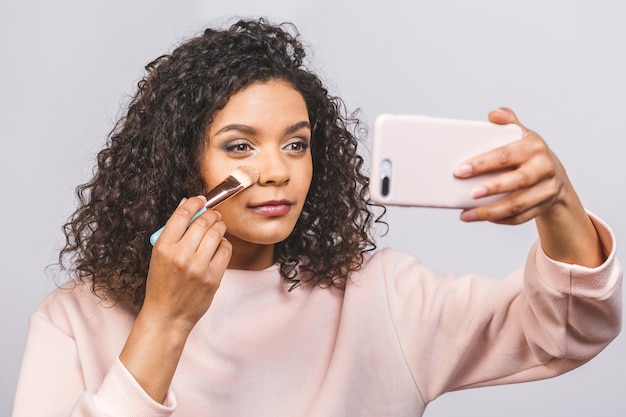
(274,101)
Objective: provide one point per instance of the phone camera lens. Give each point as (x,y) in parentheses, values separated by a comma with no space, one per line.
(385,176)
(385,186)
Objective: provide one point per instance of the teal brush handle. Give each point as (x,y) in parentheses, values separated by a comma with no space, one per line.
(155,235)
(224,190)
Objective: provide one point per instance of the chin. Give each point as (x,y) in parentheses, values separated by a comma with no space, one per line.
(269,238)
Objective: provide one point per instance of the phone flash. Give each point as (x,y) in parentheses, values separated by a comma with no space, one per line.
(385,177)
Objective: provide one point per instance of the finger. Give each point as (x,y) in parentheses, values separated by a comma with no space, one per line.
(516,208)
(506,157)
(524,177)
(211,239)
(503,116)
(524,217)
(497,158)
(221,257)
(503,157)
(199,227)
(210,257)
(178,222)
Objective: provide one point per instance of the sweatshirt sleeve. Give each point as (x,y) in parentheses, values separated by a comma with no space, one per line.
(57,378)
(541,321)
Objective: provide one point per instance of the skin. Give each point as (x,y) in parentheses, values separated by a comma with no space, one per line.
(266,126)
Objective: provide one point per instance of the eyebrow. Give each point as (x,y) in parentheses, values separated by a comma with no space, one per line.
(252,131)
(298,126)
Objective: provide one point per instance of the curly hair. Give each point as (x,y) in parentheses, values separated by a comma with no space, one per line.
(153,155)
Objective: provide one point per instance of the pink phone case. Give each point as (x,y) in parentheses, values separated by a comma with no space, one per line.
(414,158)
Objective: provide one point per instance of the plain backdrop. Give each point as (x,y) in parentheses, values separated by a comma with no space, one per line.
(68,67)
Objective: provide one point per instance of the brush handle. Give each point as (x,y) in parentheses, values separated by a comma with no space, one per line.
(223,191)
(155,236)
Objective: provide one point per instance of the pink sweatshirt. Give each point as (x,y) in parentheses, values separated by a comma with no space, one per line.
(399,336)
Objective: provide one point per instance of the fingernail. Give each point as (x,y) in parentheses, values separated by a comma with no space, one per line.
(479,191)
(182,201)
(469,216)
(463,170)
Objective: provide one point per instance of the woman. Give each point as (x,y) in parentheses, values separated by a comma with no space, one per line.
(272,304)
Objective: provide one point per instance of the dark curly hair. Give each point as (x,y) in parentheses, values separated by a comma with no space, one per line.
(153,154)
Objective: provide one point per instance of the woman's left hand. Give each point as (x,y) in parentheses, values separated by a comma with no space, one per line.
(535,180)
(538,189)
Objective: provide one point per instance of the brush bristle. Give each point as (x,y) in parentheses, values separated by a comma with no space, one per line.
(246,175)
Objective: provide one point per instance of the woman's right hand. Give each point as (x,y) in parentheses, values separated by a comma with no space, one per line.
(187,264)
(186,268)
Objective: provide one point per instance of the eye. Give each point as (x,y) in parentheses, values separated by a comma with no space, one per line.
(297,146)
(237,147)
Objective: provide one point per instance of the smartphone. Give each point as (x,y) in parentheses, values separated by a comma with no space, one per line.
(414,158)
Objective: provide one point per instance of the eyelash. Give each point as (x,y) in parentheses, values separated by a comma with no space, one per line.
(302,145)
(236,147)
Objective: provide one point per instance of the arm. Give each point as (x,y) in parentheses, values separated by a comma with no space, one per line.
(564,311)
(540,189)
(541,321)
(186,267)
(68,370)
(71,365)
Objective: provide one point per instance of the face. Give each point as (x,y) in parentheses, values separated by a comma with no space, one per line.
(265,125)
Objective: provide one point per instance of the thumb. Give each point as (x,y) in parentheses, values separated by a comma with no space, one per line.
(503,116)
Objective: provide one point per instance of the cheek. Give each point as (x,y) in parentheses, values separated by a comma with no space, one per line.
(304,172)
(214,172)
(232,212)
(307,178)
(209,176)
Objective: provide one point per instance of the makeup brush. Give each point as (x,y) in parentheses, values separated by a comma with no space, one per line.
(240,179)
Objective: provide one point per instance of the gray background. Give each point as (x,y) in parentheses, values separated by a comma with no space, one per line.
(66,67)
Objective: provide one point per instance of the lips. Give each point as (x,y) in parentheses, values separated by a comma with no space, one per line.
(272,208)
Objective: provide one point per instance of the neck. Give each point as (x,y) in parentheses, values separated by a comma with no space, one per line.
(250,256)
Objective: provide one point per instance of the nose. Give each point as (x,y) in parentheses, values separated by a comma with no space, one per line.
(273,168)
